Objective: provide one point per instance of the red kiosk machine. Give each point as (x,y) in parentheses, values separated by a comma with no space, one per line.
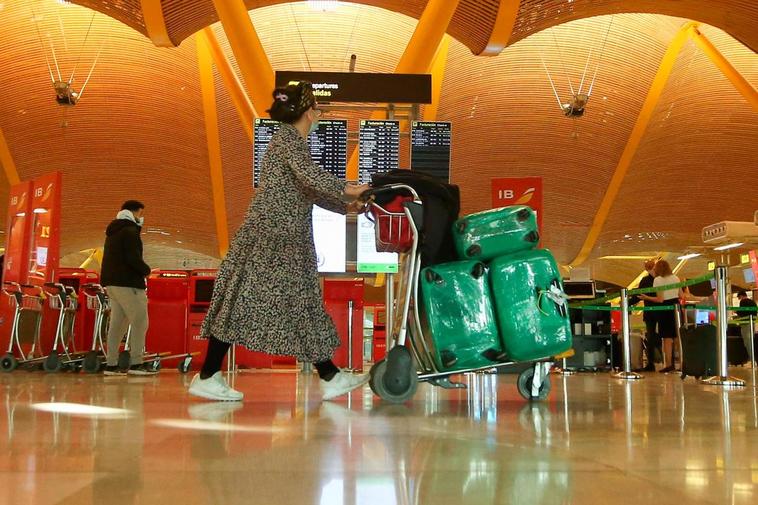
(167,310)
(201,284)
(344,303)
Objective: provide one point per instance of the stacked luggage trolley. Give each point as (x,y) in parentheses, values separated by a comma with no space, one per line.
(28,302)
(500,304)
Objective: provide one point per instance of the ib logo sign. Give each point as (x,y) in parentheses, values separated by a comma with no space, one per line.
(507,191)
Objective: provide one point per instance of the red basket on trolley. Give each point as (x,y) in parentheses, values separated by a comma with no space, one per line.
(393,231)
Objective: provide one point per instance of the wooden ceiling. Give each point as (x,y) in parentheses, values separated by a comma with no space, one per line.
(474,19)
(138,131)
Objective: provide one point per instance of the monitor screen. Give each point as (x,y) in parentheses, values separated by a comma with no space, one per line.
(263,130)
(204,290)
(328,145)
(702,317)
(330,239)
(749,275)
(430,148)
(579,289)
(378,147)
(368,259)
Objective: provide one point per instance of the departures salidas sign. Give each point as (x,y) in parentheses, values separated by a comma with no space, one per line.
(347,87)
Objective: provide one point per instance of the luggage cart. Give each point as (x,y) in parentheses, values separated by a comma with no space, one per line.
(410,360)
(27,304)
(63,299)
(97,301)
(155,360)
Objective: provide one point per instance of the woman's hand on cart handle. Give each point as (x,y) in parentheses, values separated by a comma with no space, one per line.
(355,191)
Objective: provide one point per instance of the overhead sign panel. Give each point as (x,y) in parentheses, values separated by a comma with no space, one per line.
(363,87)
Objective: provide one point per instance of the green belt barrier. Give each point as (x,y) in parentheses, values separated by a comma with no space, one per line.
(642,291)
(691,282)
(713,307)
(606,308)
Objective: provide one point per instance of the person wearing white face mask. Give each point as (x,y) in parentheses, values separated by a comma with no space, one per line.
(123,274)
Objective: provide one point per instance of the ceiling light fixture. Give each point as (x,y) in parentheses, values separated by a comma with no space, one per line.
(689,256)
(323,5)
(729,246)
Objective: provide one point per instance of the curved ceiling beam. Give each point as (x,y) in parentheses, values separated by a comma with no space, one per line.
(438,76)
(738,81)
(638,131)
(248,50)
(6,160)
(232,83)
(501,31)
(155,23)
(210,112)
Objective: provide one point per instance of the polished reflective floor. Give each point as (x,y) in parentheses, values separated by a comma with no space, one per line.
(78,439)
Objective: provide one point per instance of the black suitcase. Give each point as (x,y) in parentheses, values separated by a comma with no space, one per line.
(699,350)
(442,203)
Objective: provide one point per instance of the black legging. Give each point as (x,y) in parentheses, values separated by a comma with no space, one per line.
(217,350)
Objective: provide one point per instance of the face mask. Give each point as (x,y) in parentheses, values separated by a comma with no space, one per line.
(141,221)
(314,127)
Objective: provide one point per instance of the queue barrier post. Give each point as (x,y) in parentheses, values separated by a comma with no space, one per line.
(722,379)
(626,373)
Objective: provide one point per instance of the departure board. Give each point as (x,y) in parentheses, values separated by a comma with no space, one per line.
(328,145)
(379,147)
(430,148)
(263,130)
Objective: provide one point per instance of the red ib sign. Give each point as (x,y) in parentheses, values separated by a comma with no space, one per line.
(754,263)
(507,191)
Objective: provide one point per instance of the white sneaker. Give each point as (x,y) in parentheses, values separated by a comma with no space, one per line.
(214,388)
(342,383)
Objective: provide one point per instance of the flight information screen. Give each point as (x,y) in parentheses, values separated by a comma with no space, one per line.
(328,145)
(430,148)
(263,130)
(379,147)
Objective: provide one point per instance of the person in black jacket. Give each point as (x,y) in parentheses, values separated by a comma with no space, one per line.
(123,275)
(652,337)
(746,303)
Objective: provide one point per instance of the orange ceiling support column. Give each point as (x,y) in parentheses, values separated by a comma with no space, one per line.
(638,131)
(6,160)
(155,23)
(738,81)
(233,86)
(501,31)
(418,54)
(207,87)
(248,50)
(438,76)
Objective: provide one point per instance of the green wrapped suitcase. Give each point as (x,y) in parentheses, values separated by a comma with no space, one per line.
(458,316)
(531,308)
(487,235)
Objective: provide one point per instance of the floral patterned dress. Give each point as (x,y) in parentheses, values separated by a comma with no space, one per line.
(267,296)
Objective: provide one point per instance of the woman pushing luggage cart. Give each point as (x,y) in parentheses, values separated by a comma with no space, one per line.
(450,318)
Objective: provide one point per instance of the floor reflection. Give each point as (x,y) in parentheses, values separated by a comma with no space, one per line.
(89,440)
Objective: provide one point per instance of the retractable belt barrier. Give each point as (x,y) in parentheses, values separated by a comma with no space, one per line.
(643,291)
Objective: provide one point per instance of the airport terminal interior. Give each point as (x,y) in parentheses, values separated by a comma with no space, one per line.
(525,232)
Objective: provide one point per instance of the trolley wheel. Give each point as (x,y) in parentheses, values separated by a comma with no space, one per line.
(124,360)
(524,385)
(155,365)
(92,363)
(184,364)
(8,363)
(52,363)
(376,382)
